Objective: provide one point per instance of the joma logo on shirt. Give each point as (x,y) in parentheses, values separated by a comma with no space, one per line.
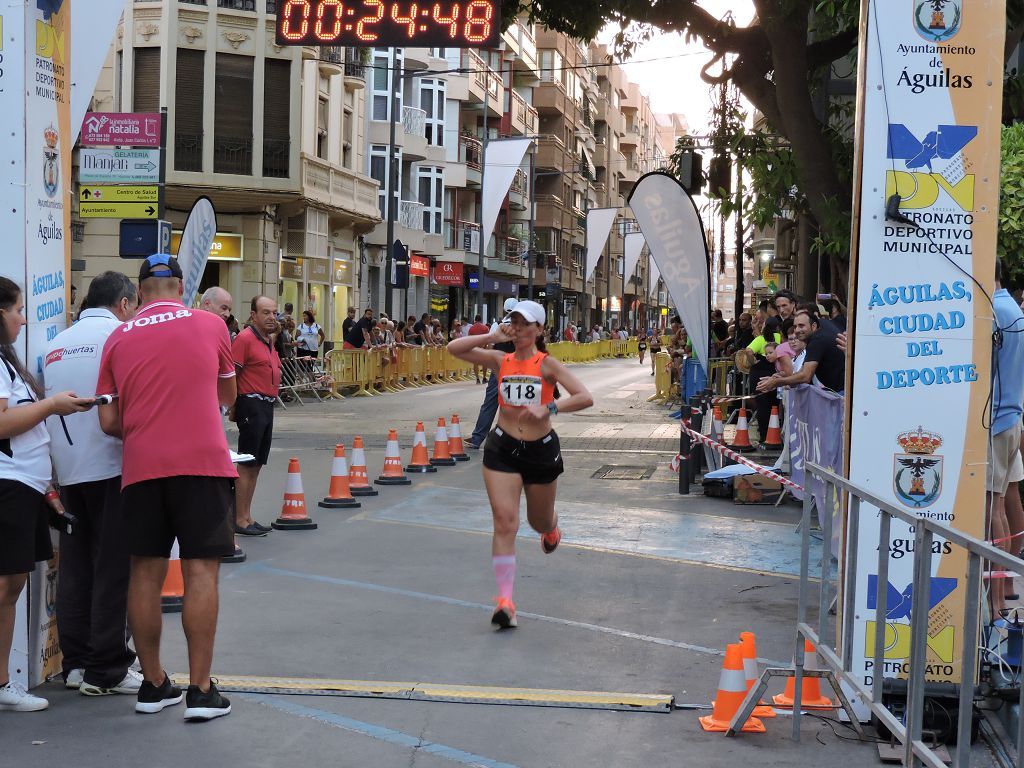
(163,317)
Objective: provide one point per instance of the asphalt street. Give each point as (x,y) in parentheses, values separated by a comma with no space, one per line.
(641,597)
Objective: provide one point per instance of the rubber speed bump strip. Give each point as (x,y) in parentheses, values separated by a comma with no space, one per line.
(470,694)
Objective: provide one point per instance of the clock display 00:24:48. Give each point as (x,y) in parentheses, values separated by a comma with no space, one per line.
(387,23)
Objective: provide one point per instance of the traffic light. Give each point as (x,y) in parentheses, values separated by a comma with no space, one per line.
(691,171)
(720,176)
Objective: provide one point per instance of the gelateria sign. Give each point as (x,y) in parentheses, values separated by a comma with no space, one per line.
(928,132)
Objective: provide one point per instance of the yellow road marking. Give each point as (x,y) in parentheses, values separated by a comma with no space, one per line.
(440,692)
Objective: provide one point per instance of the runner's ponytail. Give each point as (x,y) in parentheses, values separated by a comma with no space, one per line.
(542,346)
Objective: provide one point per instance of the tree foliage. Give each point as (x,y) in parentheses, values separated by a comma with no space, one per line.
(1011,205)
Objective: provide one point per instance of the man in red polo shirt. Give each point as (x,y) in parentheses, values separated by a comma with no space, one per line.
(170,370)
(259,375)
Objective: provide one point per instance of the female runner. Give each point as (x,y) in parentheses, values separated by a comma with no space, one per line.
(522,453)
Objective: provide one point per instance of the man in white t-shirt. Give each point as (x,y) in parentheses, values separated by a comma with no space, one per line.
(92,589)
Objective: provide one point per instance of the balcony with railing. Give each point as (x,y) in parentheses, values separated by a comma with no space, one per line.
(631,137)
(551,153)
(410,215)
(188,152)
(238,5)
(276,154)
(232,154)
(331,59)
(355,69)
(414,130)
(339,188)
(484,83)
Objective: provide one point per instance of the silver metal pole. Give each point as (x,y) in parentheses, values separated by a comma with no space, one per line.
(392,194)
(972,618)
(482,248)
(918,639)
(529,246)
(850,580)
(881,606)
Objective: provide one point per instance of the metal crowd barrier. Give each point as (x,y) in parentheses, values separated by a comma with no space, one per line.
(366,373)
(304,374)
(916,751)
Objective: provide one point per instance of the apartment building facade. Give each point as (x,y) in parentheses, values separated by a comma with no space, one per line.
(273,135)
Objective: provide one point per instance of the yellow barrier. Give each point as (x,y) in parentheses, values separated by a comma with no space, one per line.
(349,368)
(662,378)
(718,376)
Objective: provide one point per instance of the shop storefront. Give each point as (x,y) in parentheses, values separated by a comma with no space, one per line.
(341,291)
(223,267)
(495,293)
(446,283)
(306,285)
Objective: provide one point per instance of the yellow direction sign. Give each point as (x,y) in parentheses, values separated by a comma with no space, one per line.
(131,194)
(117,210)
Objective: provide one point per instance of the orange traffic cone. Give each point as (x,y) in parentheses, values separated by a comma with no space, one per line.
(293,509)
(455,447)
(732,688)
(172,596)
(392,474)
(741,442)
(339,495)
(773,438)
(812,698)
(442,455)
(420,459)
(717,430)
(358,479)
(748,644)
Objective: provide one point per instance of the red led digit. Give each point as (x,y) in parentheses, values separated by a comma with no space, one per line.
(452,22)
(368,35)
(478,21)
(335,28)
(409,21)
(288,21)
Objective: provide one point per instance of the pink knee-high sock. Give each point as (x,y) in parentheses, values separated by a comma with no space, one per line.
(504,574)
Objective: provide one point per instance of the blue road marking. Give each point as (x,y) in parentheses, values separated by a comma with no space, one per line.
(378,732)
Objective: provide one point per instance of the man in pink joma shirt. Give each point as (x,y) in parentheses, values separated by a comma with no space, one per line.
(171,369)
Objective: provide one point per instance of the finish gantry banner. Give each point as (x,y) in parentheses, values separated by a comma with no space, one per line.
(928,133)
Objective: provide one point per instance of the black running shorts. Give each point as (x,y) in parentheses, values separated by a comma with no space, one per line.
(539,462)
(197,511)
(255,420)
(24,530)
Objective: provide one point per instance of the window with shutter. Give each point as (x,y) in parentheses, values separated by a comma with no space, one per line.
(232,124)
(146,87)
(188,110)
(276,117)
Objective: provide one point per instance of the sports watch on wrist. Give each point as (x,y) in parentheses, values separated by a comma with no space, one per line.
(552,407)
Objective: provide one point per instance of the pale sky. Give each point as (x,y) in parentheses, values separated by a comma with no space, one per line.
(674,84)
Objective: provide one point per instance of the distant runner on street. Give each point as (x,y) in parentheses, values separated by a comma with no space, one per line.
(522,452)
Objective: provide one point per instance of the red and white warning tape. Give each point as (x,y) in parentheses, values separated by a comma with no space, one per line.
(737,398)
(740,459)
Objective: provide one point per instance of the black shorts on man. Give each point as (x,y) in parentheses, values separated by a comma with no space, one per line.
(198,511)
(255,420)
(24,528)
(538,462)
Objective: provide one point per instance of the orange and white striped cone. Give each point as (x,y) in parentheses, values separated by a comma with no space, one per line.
(442,455)
(293,508)
(741,442)
(455,447)
(812,697)
(748,644)
(717,430)
(172,596)
(420,461)
(392,474)
(732,689)
(773,438)
(338,495)
(358,478)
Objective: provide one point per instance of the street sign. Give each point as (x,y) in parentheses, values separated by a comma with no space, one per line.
(121,129)
(93,194)
(117,210)
(119,166)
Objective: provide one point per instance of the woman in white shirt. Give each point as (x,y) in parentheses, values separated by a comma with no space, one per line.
(311,336)
(25,489)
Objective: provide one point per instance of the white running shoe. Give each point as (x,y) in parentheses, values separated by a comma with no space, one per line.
(74,678)
(130,684)
(14,698)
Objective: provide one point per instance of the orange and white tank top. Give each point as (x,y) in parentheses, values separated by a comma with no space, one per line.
(520,382)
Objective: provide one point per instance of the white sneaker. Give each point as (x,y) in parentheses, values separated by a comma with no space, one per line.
(74,678)
(14,698)
(130,684)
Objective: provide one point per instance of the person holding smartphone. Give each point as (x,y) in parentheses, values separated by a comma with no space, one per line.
(92,588)
(25,489)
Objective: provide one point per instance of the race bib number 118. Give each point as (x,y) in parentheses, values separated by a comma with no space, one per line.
(521,390)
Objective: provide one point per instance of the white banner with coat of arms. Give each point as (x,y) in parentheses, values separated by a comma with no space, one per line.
(928,134)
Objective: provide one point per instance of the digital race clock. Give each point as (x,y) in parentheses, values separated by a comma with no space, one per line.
(389,23)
